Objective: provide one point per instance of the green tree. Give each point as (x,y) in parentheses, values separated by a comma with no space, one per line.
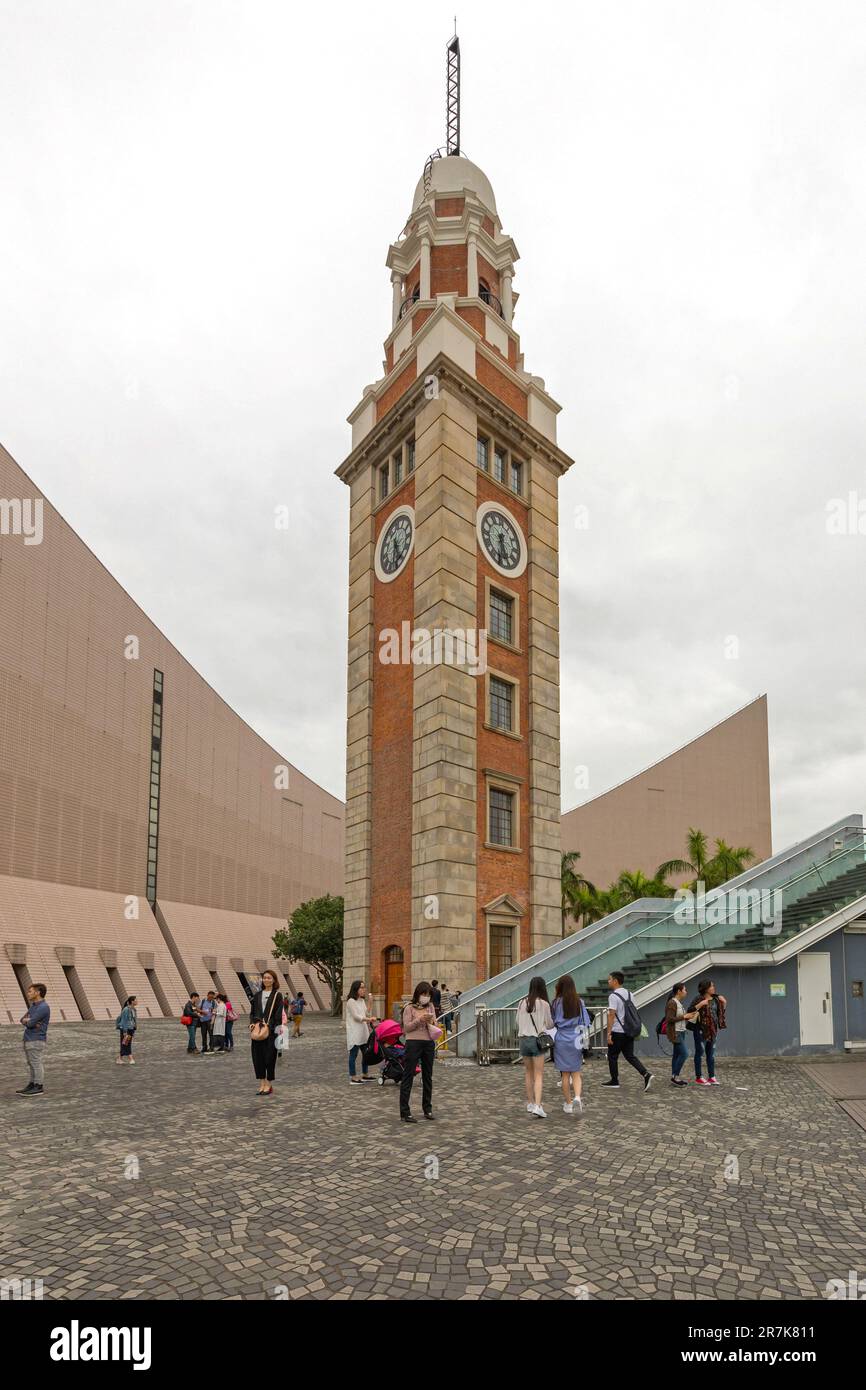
(711,870)
(636,885)
(573,885)
(314,933)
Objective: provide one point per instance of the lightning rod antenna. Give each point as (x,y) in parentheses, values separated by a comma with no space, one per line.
(452,142)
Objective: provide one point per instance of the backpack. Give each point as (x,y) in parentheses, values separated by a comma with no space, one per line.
(370,1052)
(295,1008)
(631,1024)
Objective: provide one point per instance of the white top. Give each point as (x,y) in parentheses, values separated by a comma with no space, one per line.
(357,1025)
(541,1017)
(680,1024)
(219,1019)
(616,1004)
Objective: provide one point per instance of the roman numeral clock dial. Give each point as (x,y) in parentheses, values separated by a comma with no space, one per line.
(501,539)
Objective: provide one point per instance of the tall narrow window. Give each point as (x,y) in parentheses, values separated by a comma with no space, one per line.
(516,477)
(155,780)
(500,460)
(397,466)
(383,482)
(501,621)
(482,453)
(501,704)
(410,456)
(501,817)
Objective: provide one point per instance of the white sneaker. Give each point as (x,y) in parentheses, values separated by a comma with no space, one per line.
(539,1111)
(578,1105)
(568,1107)
(529,1107)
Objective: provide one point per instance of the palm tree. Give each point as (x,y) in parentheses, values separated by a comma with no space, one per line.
(728,863)
(636,885)
(594,903)
(573,885)
(711,870)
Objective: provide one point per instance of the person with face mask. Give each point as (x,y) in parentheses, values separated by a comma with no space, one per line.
(419,1019)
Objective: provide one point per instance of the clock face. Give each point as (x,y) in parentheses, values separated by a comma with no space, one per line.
(501,539)
(395,544)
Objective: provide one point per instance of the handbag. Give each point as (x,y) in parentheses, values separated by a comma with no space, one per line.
(261,1030)
(186,1020)
(281,1041)
(543,1041)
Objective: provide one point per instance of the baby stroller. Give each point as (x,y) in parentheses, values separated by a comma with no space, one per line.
(391,1045)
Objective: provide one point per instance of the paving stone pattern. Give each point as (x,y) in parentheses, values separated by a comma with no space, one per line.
(629,1201)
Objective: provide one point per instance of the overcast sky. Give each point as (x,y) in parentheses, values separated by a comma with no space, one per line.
(197,199)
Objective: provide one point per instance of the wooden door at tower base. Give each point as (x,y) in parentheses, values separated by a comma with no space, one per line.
(393,978)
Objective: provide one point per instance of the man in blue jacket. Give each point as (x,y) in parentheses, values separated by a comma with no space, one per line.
(35,1023)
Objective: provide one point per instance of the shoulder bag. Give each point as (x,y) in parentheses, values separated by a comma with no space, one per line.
(262,1030)
(543,1041)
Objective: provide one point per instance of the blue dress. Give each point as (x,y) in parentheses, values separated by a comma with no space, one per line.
(567,1052)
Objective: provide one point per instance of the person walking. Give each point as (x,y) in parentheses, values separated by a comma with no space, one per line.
(191,1011)
(436,996)
(219,1023)
(266,1015)
(534,1022)
(35,1024)
(205,1016)
(620,1042)
(446,1018)
(419,1021)
(571,1021)
(231,1020)
(296,1009)
(126,1025)
(358,1025)
(676,1019)
(711,1010)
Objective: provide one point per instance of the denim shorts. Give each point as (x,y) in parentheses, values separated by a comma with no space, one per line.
(529,1047)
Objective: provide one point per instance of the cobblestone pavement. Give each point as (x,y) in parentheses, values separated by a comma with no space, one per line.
(163,1180)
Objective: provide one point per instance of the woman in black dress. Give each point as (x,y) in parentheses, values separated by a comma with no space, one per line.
(266,1011)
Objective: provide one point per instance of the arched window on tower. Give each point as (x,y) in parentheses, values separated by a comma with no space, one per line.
(411,298)
(486,294)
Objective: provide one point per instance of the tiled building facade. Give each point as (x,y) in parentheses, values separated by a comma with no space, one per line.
(150,841)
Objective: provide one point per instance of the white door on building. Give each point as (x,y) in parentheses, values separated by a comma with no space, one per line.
(816,1000)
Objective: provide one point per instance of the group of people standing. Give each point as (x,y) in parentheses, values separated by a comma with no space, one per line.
(214,1017)
(563,1031)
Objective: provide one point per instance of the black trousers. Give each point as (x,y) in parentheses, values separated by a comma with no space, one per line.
(264,1058)
(206,1037)
(620,1044)
(417,1052)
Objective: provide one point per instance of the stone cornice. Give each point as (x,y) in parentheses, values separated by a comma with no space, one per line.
(482,401)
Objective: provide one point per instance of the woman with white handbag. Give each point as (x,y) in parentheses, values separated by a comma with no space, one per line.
(266,1018)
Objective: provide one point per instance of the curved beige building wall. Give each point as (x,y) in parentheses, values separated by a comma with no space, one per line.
(718,783)
(241,831)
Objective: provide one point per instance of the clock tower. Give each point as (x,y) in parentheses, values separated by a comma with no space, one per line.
(453,782)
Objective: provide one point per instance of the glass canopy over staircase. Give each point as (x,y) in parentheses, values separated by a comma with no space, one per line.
(747,922)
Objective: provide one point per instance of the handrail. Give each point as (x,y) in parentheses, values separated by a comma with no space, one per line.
(733,886)
(766,866)
(667,917)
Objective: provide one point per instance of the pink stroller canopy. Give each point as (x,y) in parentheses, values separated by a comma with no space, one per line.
(388,1030)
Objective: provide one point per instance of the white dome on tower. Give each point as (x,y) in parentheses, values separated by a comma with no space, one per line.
(450,175)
